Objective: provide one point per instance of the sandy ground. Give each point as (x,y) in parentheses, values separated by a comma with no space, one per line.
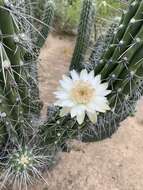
(55,57)
(112,164)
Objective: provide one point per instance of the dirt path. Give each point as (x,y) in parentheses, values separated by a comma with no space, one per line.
(112,164)
(55,58)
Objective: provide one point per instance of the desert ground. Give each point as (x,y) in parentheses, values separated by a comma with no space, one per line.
(111,164)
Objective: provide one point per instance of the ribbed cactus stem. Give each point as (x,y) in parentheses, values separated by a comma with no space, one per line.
(47,20)
(8,30)
(129,54)
(129,78)
(118,34)
(10,40)
(84,32)
(130,33)
(135,64)
(102,44)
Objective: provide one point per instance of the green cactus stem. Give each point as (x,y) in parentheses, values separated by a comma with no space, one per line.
(84,32)
(47,20)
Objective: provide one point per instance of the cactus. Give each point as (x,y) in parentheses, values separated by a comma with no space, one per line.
(47,22)
(40,35)
(120,64)
(84,33)
(19,93)
(99,48)
(11,71)
(22,166)
(18,73)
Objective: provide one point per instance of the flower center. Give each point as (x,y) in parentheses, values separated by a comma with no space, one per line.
(82,92)
(24,160)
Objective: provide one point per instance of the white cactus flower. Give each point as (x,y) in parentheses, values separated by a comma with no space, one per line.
(82,94)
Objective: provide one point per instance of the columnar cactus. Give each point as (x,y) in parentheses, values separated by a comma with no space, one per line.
(19,94)
(13,76)
(84,33)
(47,20)
(121,66)
(99,48)
(19,57)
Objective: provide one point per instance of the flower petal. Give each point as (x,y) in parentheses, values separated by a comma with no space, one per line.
(64,103)
(61,95)
(96,82)
(73,112)
(77,110)
(80,118)
(98,79)
(92,117)
(83,75)
(66,83)
(74,75)
(102,92)
(91,107)
(96,101)
(101,104)
(91,76)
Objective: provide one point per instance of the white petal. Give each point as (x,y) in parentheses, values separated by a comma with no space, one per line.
(96,81)
(80,118)
(91,76)
(99,101)
(77,110)
(101,104)
(102,92)
(64,103)
(61,95)
(91,107)
(92,117)
(98,78)
(74,75)
(64,111)
(91,73)
(73,112)
(66,83)
(83,75)
(67,103)
(104,85)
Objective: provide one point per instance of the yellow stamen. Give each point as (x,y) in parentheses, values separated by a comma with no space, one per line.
(82,92)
